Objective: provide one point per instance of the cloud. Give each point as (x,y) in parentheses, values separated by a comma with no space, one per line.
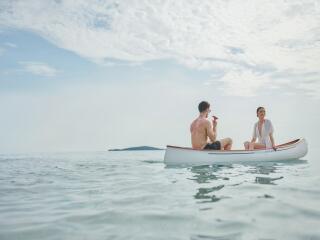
(38,68)
(236,82)
(299,81)
(11,45)
(6,45)
(240,38)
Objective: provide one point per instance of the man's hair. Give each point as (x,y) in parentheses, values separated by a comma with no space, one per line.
(203,106)
(259,108)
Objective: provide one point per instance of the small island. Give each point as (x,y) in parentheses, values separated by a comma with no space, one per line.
(140,148)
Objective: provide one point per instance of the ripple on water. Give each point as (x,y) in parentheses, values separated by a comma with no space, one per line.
(135,196)
(266,180)
(233,236)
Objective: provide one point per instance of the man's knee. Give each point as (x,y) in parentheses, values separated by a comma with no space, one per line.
(226,142)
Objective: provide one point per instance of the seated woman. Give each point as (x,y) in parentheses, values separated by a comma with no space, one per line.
(263,130)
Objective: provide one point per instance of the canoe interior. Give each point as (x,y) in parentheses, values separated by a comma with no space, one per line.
(278,146)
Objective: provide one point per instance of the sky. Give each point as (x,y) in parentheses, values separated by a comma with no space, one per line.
(89,75)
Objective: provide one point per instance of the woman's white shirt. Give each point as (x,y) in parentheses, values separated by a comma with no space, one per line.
(266,130)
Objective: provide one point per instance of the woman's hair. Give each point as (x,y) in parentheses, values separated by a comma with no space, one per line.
(259,108)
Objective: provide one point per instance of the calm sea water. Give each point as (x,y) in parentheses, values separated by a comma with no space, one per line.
(133,195)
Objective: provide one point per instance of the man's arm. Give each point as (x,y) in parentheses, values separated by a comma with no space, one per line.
(211,131)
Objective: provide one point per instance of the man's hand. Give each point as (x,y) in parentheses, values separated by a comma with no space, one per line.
(214,123)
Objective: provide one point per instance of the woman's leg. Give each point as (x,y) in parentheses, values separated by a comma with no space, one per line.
(257,146)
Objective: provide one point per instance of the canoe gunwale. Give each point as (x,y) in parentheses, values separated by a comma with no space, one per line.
(280,147)
(295,149)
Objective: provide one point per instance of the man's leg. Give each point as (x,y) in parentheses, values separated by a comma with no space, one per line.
(226,143)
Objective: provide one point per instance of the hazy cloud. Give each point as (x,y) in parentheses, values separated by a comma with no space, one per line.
(239,38)
(39,68)
(9,44)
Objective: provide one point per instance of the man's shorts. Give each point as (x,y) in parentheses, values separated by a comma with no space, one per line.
(213,146)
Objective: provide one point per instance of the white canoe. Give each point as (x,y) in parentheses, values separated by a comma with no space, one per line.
(187,156)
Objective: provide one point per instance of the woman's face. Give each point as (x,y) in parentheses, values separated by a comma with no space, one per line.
(261,113)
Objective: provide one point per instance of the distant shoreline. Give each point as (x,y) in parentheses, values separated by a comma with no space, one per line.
(140,148)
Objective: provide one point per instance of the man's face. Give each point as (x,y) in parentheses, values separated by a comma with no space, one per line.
(208,111)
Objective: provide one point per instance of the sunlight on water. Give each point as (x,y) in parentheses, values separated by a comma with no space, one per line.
(133,195)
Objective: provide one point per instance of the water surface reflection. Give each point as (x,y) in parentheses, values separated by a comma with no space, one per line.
(211,177)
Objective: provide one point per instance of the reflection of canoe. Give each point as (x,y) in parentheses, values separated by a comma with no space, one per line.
(187,156)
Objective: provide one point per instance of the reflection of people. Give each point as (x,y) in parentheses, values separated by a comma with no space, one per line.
(202,128)
(263,130)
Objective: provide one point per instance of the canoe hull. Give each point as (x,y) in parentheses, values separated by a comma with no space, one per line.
(187,156)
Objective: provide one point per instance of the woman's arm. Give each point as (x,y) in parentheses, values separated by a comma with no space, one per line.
(271,136)
(254,134)
(250,146)
(272,141)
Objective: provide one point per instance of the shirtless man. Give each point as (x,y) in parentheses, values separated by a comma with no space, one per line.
(202,128)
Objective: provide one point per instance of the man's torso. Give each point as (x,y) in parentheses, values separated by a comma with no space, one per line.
(199,136)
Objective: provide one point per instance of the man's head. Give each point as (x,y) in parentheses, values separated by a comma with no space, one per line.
(204,108)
